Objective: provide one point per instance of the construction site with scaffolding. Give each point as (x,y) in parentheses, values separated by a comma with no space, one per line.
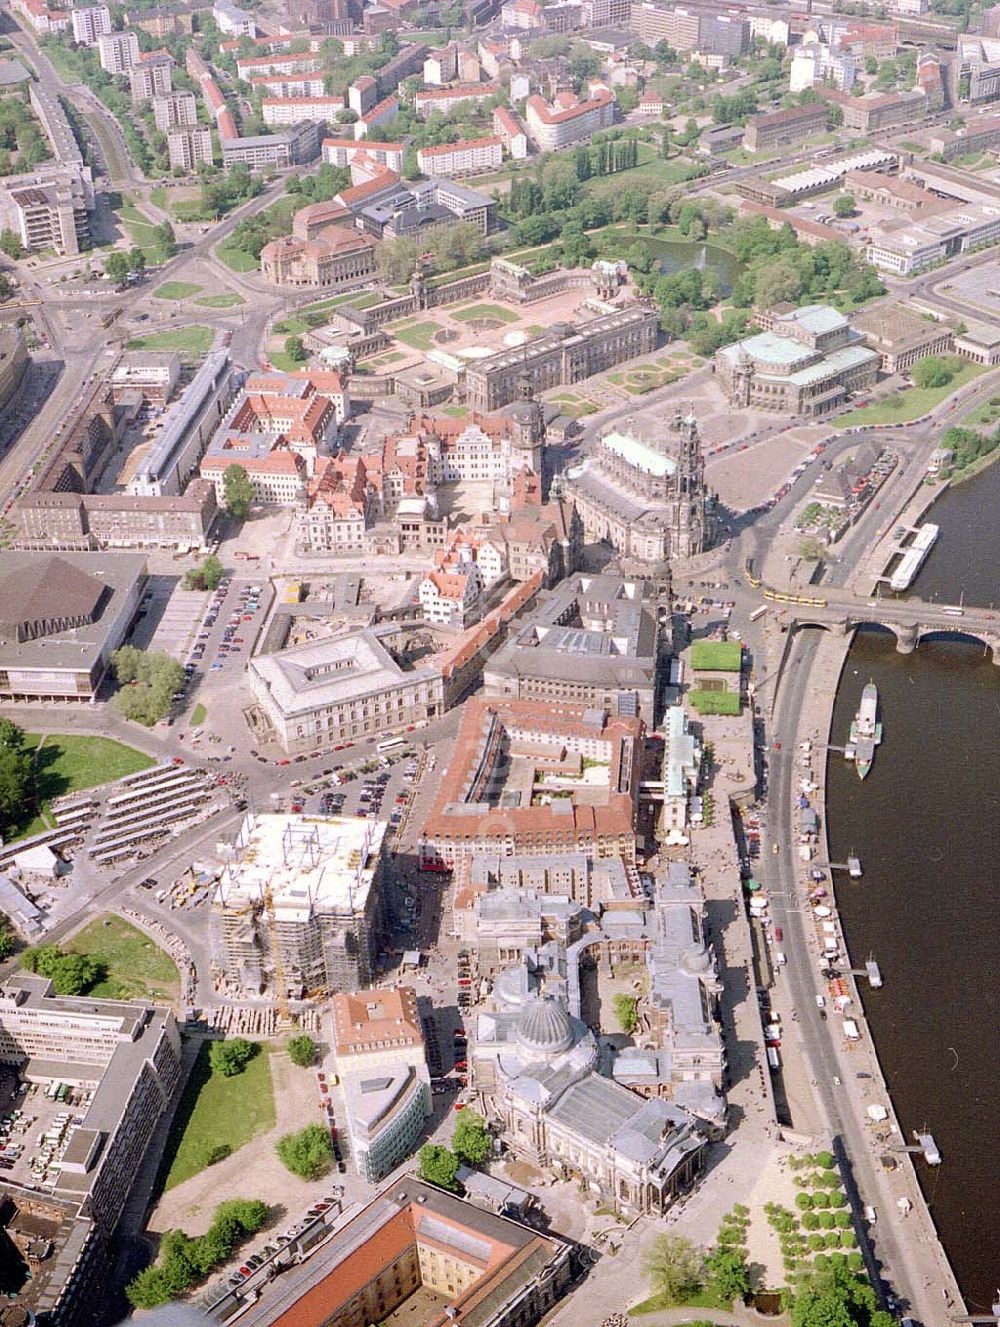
(298,909)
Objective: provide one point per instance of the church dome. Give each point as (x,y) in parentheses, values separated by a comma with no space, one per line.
(544,1028)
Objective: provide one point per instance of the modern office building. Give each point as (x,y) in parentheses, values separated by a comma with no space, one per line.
(299,905)
(61,618)
(382,1063)
(295,147)
(14,360)
(122,1062)
(174,453)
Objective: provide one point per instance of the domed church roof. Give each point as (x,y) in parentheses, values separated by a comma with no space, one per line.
(544,1027)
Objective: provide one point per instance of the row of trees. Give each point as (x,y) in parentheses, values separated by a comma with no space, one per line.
(831,1296)
(84,63)
(148,682)
(20,134)
(184,1259)
(451,247)
(16,776)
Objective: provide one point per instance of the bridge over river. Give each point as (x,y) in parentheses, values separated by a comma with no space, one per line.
(910,620)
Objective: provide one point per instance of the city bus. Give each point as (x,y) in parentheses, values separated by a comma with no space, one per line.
(758,613)
(391,745)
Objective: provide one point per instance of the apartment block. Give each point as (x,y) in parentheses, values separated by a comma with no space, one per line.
(465,158)
(150,76)
(89,23)
(567,120)
(118,51)
(189,146)
(175,109)
(279,111)
(344,152)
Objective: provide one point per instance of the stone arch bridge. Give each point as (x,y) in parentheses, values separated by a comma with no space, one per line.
(909,620)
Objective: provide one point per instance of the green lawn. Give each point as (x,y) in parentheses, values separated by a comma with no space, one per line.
(137,966)
(141,231)
(714,702)
(226,301)
(716,656)
(177,290)
(217,1110)
(198,715)
(284,363)
(67,763)
(910,404)
(420,336)
(651,167)
(191,341)
(293,326)
(236,259)
(474,311)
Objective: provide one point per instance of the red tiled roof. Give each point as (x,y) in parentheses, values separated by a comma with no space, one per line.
(493,140)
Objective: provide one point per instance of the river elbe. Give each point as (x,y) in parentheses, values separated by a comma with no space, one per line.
(926,825)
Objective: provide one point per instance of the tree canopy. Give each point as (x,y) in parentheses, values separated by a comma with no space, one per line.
(302,1051)
(308,1153)
(70,974)
(237,489)
(471,1141)
(439,1165)
(205,577)
(148,681)
(674,1267)
(231,1057)
(627,1012)
(16,775)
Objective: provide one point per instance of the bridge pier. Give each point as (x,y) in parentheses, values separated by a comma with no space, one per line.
(906,639)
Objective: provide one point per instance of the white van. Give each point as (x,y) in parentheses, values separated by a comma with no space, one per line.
(773,1062)
(871,1216)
